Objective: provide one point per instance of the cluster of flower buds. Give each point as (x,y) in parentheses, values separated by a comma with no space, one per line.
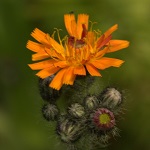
(93,118)
(50,110)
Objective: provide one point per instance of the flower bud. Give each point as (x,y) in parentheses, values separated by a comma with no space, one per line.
(69,130)
(46,92)
(76,110)
(50,112)
(91,102)
(103,119)
(111,97)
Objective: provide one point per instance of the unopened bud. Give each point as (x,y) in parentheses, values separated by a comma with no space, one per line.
(50,112)
(69,130)
(47,93)
(91,102)
(76,110)
(111,97)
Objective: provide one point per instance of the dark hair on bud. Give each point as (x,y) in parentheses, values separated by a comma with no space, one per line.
(69,130)
(47,93)
(76,110)
(91,102)
(50,112)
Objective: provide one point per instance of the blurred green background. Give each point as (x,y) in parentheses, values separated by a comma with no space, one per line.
(21,124)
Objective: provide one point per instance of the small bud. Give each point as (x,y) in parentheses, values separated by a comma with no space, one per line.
(103,119)
(111,97)
(46,92)
(91,102)
(76,110)
(69,130)
(50,112)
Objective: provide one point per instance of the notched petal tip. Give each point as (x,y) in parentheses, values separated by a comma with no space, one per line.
(126,43)
(28,44)
(31,66)
(55,86)
(36,30)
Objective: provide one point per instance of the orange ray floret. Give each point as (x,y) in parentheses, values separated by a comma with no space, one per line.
(47,72)
(115,45)
(105,62)
(42,65)
(39,56)
(92,70)
(40,36)
(80,70)
(57,82)
(82,51)
(69,76)
(111,30)
(75,28)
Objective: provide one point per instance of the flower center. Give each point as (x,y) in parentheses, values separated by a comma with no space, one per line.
(75,42)
(104,119)
(78,43)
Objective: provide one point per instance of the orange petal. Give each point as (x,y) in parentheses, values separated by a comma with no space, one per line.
(101,53)
(40,36)
(40,56)
(42,64)
(53,54)
(47,72)
(82,19)
(57,82)
(115,45)
(111,30)
(99,41)
(73,28)
(105,38)
(103,41)
(91,38)
(61,64)
(70,23)
(57,47)
(69,76)
(35,47)
(105,62)
(80,70)
(92,70)
(86,53)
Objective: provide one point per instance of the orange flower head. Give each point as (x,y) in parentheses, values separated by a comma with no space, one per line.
(81,52)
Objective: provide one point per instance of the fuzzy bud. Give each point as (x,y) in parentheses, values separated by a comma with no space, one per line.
(76,110)
(69,130)
(111,97)
(91,102)
(46,92)
(50,112)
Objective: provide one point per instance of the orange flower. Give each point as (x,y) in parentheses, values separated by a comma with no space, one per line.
(82,50)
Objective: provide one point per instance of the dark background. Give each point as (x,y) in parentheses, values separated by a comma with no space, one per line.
(21,124)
